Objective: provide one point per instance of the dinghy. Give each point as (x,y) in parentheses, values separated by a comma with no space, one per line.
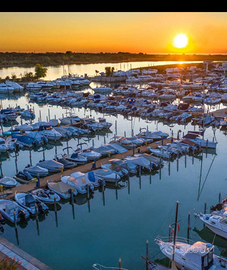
(28,202)
(107,175)
(66,163)
(62,189)
(10,210)
(45,195)
(23,177)
(8,182)
(74,156)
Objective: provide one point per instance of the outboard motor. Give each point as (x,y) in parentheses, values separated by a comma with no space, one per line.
(22,215)
(40,208)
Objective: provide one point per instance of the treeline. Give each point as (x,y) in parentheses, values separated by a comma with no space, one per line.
(8,59)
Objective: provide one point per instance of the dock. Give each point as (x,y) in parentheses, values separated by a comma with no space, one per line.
(26,261)
(82,168)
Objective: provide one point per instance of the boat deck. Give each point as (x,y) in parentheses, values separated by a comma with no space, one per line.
(83,168)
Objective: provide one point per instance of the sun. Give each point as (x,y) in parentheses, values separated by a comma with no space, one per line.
(180,41)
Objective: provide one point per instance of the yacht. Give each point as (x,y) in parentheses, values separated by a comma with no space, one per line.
(5,89)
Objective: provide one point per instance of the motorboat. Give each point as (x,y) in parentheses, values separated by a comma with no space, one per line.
(32,86)
(3,147)
(17,88)
(6,89)
(9,113)
(70,120)
(66,163)
(102,90)
(26,140)
(76,157)
(28,202)
(79,181)
(45,195)
(62,189)
(24,177)
(122,141)
(216,223)
(198,256)
(142,162)
(36,170)
(107,175)
(118,166)
(49,132)
(28,114)
(91,124)
(12,211)
(11,143)
(51,165)
(90,154)
(23,128)
(163,153)
(106,125)
(8,182)
(105,150)
(195,137)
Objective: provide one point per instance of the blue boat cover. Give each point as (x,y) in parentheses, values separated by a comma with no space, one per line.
(91,176)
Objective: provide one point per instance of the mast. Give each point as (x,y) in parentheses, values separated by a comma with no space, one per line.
(175,230)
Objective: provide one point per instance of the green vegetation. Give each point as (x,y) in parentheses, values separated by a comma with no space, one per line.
(40,72)
(109,71)
(9,264)
(8,59)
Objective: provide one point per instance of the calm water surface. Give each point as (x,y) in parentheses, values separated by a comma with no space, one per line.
(140,211)
(54,72)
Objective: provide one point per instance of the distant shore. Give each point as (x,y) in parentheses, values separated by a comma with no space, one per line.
(13,59)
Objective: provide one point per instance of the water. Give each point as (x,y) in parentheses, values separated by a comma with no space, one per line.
(54,72)
(142,210)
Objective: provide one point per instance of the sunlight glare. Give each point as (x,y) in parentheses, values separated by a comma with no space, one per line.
(180,41)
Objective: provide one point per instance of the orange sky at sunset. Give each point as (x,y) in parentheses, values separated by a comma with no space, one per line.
(147,32)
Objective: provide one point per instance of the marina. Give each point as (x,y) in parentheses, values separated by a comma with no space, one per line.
(182,158)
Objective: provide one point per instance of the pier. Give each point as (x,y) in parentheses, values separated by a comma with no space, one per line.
(82,168)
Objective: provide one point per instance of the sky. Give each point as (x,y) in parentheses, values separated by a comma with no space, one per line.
(147,32)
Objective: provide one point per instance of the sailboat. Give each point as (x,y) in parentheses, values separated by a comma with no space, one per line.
(198,256)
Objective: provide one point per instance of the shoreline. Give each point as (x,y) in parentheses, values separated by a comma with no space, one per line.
(27,60)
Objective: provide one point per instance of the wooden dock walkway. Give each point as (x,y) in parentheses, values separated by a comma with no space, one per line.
(83,168)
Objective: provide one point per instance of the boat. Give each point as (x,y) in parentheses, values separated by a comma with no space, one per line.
(66,163)
(49,132)
(24,177)
(32,86)
(76,157)
(17,88)
(195,136)
(79,181)
(90,154)
(128,144)
(102,90)
(118,166)
(12,211)
(62,189)
(106,125)
(28,114)
(36,170)
(28,202)
(10,114)
(51,165)
(107,175)
(216,223)
(3,147)
(196,256)
(6,89)
(26,140)
(8,182)
(45,195)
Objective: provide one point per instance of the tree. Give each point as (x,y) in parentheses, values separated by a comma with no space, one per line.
(109,71)
(40,71)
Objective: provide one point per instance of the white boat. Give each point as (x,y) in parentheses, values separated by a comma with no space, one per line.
(5,89)
(45,195)
(74,156)
(102,121)
(3,147)
(32,86)
(28,114)
(195,137)
(10,210)
(90,154)
(51,165)
(8,182)
(79,181)
(28,202)
(216,223)
(198,256)
(11,143)
(62,189)
(49,132)
(17,88)
(107,175)
(102,90)
(35,170)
